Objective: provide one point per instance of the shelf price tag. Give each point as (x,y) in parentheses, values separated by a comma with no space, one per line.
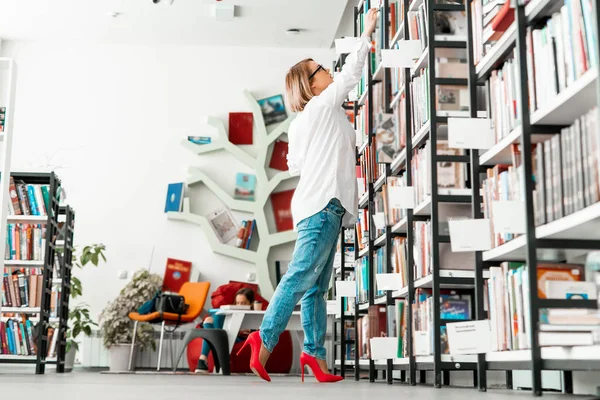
(405,56)
(471,337)
(345,288)
(345,45)
(470,235)
(470,133)
(389,281)
(508,216)
(401,196)
(384,348)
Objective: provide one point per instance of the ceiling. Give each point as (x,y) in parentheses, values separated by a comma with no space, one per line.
(186,22)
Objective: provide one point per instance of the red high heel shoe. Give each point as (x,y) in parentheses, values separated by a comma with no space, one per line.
(321,376)
(254,341)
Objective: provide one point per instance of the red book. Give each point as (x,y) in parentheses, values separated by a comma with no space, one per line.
(504,18)
(279,157)
(240,127)
(282,208)
(176,274)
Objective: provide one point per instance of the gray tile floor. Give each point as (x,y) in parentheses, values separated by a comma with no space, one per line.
(95,386)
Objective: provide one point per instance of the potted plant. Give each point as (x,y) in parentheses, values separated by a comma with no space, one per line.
(117,328)
(79,316)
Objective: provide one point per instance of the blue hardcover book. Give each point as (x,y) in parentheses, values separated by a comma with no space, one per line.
(174,197)
(251,233)
(245,186)
(34,206)
(24,349)
(455,309)
(200,139)
(9,337)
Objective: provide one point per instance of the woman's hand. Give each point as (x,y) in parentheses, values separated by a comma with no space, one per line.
(371,21)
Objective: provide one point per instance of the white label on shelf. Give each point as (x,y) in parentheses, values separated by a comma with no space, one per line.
(345,288)
(470,133)
(379,220)
(405,56)
(401,196)
(508,216)
(345,45)
(384,348)
(471,337)
(470,235)
(422,343)
(389,281)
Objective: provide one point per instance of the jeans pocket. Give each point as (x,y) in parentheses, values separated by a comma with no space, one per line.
(335,207)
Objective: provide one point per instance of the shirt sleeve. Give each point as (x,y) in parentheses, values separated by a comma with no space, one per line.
(350,75)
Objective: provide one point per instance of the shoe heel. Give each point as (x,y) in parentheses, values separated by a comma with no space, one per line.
(302,369)
(243,347)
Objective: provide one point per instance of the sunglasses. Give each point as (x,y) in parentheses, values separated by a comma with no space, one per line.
(320,67)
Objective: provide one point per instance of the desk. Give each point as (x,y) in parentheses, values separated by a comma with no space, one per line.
(235,320)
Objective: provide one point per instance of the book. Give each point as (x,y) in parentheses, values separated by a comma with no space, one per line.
(273,109)
(177,272)
(223,224)
(245,186)
(279,156)
(174,202)
(200,139)
(282,210)
(240,128)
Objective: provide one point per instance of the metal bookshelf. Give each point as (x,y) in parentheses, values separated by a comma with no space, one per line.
(52,230)
(549,241)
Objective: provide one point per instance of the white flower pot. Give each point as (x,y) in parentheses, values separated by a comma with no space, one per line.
(70,359)
(118,357)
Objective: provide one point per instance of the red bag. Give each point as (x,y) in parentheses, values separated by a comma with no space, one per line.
(225,294)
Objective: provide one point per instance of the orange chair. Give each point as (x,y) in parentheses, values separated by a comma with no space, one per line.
(195,294)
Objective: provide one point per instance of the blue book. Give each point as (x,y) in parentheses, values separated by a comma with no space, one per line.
(245,186)
(174,197)
(200,139)
(10,337)
(32,202)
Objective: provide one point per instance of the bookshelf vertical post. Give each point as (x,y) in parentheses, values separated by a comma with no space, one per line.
(476,201)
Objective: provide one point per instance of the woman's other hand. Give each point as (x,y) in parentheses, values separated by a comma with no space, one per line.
(371,21)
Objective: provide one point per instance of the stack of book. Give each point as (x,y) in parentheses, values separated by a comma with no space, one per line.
(22,289)
(400,327)
(16,337)
(349,333)
(491,19)
(362,228)
(396,17)
(25,242)
(399,258)
(418,27)
(561,51)
(372,325)
(245,234)
(419,92)
(28,199)
(361,272)
(508,301)
(567,170)
(393,215)
(379,266)
(503,98)
(397,77)
(2,118)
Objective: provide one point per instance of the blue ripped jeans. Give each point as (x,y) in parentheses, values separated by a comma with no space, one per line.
(307,279)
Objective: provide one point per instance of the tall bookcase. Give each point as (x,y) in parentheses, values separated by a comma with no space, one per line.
(546,242)
(39,316)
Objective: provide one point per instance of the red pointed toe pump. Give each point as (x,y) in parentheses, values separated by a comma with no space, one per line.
(321,376)
(254,341)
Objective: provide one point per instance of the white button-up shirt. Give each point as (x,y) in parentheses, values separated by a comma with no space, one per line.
(322,146)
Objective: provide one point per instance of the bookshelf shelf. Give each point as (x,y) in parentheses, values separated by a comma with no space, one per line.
(422,135)
(400,227)
(363,252)
(581,224)
(585,354)
(379,183)
(378,74)
(23,263)
(21,310)
(363,202)
(362,148)
(398,162)
(449,279)
(570,103)
(397,97)
(398,36)
(380,241)
(363,306)
(18,359)
(501,153)
(27,219)
(422,62)
(381,300)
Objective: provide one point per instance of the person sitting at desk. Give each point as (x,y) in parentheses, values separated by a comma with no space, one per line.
(243,297)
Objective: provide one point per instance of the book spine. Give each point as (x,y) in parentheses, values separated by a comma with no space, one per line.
(32,202)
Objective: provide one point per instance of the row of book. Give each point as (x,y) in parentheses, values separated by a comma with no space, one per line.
(504,88)
(490,19)
(25,242)
(245,234)
(507,299)
(28,199)
(21,289)
(2,118)
(18,338)
(561,51)
(396,17)
(419,92)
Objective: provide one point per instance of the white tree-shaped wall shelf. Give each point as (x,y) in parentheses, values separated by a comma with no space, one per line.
(264,188)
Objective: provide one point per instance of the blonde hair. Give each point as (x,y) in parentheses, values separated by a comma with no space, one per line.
(297,86)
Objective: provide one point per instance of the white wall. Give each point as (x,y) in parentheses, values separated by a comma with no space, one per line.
(109,120)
